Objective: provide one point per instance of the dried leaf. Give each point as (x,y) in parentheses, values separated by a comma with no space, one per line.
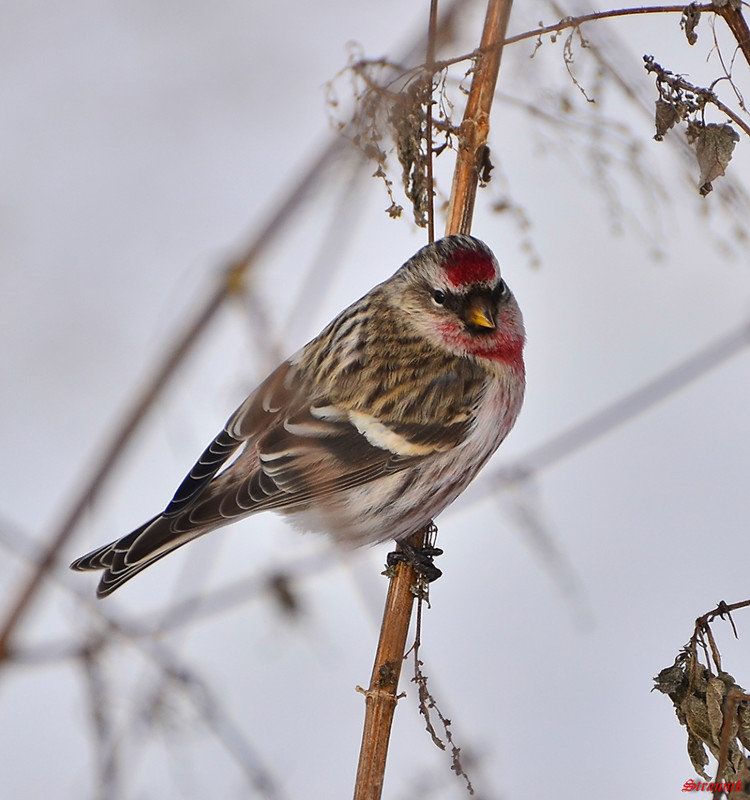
(699,705)
(714,145)
(714,698)
(484,165)
(408,120)
(690,18)
(698,756)
(671,680)
(697,718)
(743,777)
(666,117)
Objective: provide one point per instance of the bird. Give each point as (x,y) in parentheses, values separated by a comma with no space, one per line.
(371,429)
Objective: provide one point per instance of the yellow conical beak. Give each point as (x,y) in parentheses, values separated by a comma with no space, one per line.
(480,314)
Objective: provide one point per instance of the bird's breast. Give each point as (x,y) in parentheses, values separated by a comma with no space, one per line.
(496,413)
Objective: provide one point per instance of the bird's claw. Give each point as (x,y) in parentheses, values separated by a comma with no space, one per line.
(421,558)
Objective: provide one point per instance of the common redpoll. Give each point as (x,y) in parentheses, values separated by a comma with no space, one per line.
(371,429)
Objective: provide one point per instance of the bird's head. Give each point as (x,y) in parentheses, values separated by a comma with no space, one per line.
(453,293)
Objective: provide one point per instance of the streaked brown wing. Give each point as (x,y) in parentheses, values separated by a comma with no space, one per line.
(302,459)
(257,412)
(308,443)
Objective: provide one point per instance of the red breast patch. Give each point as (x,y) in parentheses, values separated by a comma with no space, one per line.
(465,267)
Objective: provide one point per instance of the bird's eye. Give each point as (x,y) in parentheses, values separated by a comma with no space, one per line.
(438,297)
(500,290)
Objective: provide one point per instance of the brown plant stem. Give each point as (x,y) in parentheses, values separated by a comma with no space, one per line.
(738,25)
(574,22)
(732,16)
(381,697)
(475,126)
(729,714)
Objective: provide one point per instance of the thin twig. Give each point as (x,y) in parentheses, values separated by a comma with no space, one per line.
(427,701)
(432,36)
(574,22)
(720,610)
(727,70)
(569,22)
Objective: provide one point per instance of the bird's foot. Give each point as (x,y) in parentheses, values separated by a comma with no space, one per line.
(421,558)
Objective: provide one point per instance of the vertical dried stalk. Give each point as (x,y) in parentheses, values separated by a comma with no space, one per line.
(476,122)
(381,697)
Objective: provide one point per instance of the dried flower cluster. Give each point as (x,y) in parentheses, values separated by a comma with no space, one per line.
(391,115)
(710,704)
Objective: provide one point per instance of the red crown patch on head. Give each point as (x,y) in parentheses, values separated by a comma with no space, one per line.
(466,266)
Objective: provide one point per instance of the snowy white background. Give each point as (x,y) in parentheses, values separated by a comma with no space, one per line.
(141,144)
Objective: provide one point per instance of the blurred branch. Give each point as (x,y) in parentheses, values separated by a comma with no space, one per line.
(625,408)
(218,719)
(193,609)
(99,709)
(525,508)
(208,704)
(230,282)
(346,213)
